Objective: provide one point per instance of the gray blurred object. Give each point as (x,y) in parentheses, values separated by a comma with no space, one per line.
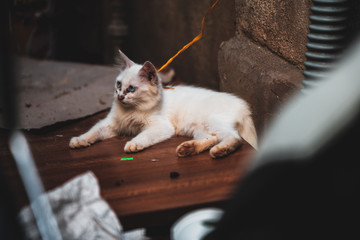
(310,121)
(40,206)
(44,217)
(304,182)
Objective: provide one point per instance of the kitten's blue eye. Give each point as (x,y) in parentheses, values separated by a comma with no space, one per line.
(118,85)
(131,89)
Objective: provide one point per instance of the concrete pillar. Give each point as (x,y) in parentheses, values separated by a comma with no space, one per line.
(263,62)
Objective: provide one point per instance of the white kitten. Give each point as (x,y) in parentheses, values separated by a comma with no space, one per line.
(141,107)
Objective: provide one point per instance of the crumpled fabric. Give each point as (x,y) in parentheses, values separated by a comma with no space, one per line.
(80,212)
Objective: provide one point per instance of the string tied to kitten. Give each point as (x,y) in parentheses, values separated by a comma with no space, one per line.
(197,38)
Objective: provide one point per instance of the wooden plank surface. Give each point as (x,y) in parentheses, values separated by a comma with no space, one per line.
(140,187)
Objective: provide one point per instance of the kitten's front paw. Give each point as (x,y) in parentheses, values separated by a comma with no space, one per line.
(78,142)
(131,147)
(186,149)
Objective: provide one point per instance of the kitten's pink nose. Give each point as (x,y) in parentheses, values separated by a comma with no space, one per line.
(121,97)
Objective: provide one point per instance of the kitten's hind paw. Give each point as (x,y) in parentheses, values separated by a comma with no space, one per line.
(78,142)
(218,152)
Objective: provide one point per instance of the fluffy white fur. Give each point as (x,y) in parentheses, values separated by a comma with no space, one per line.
(215,120)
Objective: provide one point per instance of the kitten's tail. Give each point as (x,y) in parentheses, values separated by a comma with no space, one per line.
(246,129)
(167,76)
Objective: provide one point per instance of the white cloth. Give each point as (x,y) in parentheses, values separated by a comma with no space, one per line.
(80,212)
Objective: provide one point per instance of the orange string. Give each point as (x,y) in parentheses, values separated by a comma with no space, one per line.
(197,38)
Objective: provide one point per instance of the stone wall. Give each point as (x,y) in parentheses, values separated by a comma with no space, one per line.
(263,62)
(280,26)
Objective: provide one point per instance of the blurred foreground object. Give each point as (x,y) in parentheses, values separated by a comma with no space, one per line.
(304,183)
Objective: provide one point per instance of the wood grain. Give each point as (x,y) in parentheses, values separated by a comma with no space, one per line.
(140,191)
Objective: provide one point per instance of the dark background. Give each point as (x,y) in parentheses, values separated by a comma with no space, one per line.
(88,31)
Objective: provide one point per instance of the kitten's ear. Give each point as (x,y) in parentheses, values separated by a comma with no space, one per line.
(122,61)
(148,71)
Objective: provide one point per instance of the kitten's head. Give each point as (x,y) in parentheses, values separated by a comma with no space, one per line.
(137,86)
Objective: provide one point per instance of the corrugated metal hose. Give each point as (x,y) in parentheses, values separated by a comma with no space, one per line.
(326,39)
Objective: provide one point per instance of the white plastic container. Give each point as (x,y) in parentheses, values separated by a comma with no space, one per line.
(193,226)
